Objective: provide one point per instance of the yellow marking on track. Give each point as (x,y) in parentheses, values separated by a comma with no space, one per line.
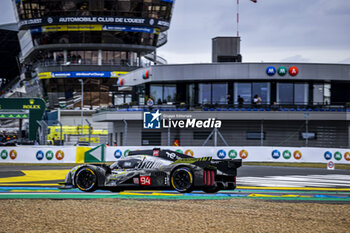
(33,191)
(287,195)
(264,195)
(36,175)
(167,194)
(158,193)
(294,188)
(261,195)
(27,184)
(136,194)
(143,194)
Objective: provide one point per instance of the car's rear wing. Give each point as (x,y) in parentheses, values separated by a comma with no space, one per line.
(228,166)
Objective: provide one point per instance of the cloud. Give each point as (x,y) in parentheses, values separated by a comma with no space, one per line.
(346,61)
(288,28)
(271,30)
(295,58)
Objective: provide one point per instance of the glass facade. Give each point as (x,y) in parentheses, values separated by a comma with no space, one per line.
(157,9)
(243,90)
(163,93)
(191,93)
(96,91)
(293,93)
(204,93)
(156,92)
(285,93)
(121,99)
(169,93)
(322,93)
(213,93)
(208,95)
(219,95)
(327,93)
(248,90)
(95,37)
(263,91)
(116,57)
(301,93)
(72,57)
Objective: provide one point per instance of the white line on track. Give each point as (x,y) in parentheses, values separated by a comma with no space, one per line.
(297,181)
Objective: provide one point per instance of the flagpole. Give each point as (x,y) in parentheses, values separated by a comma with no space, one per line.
(237,18)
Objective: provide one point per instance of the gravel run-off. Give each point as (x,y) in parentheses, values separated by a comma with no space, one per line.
(119,215)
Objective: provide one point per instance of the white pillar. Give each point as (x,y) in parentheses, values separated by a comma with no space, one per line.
(64,56)
(99,59)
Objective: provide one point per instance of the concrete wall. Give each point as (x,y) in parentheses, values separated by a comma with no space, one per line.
(277,133)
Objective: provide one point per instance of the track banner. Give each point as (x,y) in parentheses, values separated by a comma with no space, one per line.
(96,154)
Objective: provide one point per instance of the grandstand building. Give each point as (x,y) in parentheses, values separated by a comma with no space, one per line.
(302,104)
(74,46)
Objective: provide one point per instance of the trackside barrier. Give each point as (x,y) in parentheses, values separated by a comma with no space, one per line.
(38,154)
(251,154)
(72,154)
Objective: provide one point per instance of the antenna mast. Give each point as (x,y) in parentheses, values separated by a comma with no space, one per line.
(237,18)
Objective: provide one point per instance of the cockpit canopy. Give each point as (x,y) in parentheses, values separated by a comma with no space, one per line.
(126,163)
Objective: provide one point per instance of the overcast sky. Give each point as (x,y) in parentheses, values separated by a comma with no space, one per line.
(270,30)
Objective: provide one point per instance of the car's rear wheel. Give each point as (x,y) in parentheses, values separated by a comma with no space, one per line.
(86,179)
(182,180)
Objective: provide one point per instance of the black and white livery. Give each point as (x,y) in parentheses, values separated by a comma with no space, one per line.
(156,169)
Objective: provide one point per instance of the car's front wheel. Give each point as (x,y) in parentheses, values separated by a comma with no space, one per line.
(182,180)
(86,179)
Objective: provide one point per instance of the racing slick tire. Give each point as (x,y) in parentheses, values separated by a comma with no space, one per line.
(182,180)
(86,179)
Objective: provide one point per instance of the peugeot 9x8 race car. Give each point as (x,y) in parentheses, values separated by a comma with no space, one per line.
(158,170)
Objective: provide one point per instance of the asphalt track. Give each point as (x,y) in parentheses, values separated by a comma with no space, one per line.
(254,182)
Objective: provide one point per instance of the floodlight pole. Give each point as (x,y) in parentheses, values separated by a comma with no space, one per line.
(89,130)
(61,133)
(82,104)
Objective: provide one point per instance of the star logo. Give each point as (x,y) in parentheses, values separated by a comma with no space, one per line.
(156,115)
(151,120)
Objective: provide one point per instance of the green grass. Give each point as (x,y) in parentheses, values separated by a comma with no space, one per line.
(311,165)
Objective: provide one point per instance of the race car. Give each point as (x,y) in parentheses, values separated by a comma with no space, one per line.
(157,170)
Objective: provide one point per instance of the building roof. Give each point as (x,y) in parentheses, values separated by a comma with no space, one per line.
(9,26)
(210,72)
